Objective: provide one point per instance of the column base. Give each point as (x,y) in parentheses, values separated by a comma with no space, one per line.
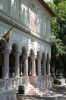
(16,77)
(32,79)
(5,77)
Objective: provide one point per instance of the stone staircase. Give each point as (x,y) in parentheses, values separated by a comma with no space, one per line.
(32,91)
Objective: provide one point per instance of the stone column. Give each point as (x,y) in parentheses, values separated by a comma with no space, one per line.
(17,54)
(20,66)
(6,63)
(44,61)
(48,66)
(33,66)
(26,65)
(39,66)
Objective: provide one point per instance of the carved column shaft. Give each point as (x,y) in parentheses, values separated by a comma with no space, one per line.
(20,66)
(39,66)
(26,65)
(17,54)
(33,66)
(6,63)
(48,65)
(44,66)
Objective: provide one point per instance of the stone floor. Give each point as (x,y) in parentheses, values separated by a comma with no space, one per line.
(54,94)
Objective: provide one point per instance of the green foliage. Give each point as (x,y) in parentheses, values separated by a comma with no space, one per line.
(61,11)
(60,77)
(57,47)
(21,89)
(58,28)
(56,2)
(55,80)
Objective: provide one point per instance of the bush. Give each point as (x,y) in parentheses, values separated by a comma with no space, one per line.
(21,89)
(60,77)
(55,80)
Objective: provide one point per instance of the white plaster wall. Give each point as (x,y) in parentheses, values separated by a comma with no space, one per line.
(20,38)
(19,9)
(4,6)
(15,9)
(44,25)
(39,21)
(24,11)
(48,29)
(21,14)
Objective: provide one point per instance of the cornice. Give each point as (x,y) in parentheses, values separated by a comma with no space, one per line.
(42,2)
(27,31)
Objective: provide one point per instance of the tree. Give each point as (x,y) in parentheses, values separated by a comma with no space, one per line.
(58,25)
(56,2)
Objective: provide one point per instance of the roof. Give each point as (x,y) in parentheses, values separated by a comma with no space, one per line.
(44,4)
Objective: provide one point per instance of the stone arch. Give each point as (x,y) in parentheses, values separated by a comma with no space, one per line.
(12,57)
(42,62)
(31,52)
(43,55)
(38,53)
(22,59)
(16,44)
(37,61)
(47,59)
(3,43)
(24,48)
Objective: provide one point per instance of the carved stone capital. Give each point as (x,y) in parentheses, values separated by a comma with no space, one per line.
(17,53)
(6,51)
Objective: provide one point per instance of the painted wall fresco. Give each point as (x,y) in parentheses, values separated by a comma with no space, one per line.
(32,20)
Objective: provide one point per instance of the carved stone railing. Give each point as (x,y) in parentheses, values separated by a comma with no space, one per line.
(8,83)
(2,84)
(43,83)
(13,83)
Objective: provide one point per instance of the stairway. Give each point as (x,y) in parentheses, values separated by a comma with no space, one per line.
(32,91)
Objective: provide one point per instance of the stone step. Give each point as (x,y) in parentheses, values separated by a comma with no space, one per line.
(32,92)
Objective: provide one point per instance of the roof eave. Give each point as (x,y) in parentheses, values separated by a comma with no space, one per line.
(42,2)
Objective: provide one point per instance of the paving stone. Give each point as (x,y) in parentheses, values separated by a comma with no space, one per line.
(54,94)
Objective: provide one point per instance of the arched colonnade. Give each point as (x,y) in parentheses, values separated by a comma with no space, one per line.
(21,62)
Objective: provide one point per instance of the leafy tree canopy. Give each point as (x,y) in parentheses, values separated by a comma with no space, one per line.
(58,28)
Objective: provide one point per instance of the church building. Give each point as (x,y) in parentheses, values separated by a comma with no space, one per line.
(25,47)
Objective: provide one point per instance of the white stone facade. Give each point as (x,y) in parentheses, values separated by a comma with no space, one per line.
(28,52)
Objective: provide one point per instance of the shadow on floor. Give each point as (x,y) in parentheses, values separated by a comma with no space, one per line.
(53,94)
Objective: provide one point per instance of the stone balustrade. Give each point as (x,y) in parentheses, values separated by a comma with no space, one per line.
(13,83)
